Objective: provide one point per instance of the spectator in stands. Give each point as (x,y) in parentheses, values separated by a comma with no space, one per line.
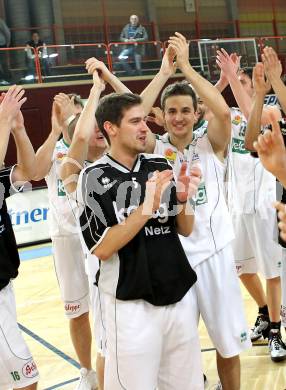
(34,43)
(5,38)
(133,32)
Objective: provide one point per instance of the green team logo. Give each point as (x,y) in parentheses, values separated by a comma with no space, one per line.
(243,337)
(238,146)
(15,375)
(201,196)
(61,188)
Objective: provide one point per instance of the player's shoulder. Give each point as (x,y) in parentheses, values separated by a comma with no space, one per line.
(154,160)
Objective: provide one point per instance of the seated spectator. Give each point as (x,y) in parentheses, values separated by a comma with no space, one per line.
(133,32)
(43,55)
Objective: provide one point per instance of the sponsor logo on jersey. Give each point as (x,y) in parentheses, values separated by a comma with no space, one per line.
(151,231)
(60,155)
(72,308)
(106,183)
(237,120)
(61,188)
(30,370)
(238,146)
(170,155)
(123,213)
(201,195)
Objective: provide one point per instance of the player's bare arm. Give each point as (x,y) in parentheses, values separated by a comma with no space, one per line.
(45,152)
(77,153)
(219,128)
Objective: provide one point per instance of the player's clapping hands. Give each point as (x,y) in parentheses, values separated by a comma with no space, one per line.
(180,45)
(187,184)
(271,149)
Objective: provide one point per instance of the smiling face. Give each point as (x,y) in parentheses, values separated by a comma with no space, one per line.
(179,115)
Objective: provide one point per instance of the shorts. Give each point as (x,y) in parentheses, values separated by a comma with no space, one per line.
(17,367)
(254,247)
(220,303)
(152,346)
(283,287)
(97,304)
(69,261)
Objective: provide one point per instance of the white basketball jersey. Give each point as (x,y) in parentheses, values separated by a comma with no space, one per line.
(213,228)
(61,218)
(250,187)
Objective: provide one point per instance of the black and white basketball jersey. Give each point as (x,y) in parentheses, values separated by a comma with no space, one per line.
(153,265)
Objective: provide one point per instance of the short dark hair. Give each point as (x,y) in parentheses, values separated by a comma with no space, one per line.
(112,108)
(178,89)
(77,99)
(247,71)
(72,125)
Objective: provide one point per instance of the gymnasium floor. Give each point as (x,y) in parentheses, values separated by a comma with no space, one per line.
(45,328)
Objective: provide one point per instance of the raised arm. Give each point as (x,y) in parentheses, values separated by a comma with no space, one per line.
(106,75)
(77,153)
(26,166)
(219,126)
(45,152)
(10,104)
(223,80)
(261,86)
(273,71)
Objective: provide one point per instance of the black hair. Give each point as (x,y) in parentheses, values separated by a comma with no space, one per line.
(247,71)
(178,89)
(112,107)
(77,99)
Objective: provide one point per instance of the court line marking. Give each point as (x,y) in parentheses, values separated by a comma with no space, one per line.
(49,346)
(35,253)
(62,384)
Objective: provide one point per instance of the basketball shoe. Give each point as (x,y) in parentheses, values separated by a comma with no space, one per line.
(87,380)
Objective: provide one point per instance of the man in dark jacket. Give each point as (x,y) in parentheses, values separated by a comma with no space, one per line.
(133,32)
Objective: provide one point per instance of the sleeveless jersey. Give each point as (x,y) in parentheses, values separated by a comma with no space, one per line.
(250,187)
(213,228)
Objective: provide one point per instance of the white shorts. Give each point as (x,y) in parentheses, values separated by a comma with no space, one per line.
(152,346)
(283,287)
(254,247)
(220,303)
(69,261)
(97,303)
(17,367)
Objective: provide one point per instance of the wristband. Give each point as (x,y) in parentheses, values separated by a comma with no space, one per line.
(69,120)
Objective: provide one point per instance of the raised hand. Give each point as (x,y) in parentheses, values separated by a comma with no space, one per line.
(271,150)
(260,84)
(229,64)
(168,66)
(181,47)
(56,120)
(65,106)
(157,117)
(155,188)
(93,64)
(11,103)
(187,185)
(272,64)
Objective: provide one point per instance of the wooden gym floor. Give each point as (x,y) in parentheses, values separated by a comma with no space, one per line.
(45,328)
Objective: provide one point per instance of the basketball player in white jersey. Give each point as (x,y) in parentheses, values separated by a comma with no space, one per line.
(17,367)
(272,68)
(208,248)
(67,250)
(251,191)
